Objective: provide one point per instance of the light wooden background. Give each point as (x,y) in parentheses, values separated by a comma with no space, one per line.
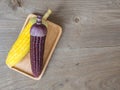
(88,54)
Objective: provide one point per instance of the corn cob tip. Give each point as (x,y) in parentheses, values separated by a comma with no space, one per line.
(47,14)
(8,64)
(49,11)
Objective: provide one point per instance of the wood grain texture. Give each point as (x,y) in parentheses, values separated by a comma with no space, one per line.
(88,54)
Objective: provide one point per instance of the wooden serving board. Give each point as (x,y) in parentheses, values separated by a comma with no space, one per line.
(53,35)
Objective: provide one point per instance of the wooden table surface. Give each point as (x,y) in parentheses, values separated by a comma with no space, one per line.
(87,56)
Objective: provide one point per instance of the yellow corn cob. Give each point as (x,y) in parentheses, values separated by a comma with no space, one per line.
(21,47)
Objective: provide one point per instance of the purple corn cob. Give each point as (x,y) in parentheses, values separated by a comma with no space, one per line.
(37,42)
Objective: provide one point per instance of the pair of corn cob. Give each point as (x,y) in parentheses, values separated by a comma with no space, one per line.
(22,45)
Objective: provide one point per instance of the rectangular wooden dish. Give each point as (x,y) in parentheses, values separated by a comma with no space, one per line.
(53,35)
